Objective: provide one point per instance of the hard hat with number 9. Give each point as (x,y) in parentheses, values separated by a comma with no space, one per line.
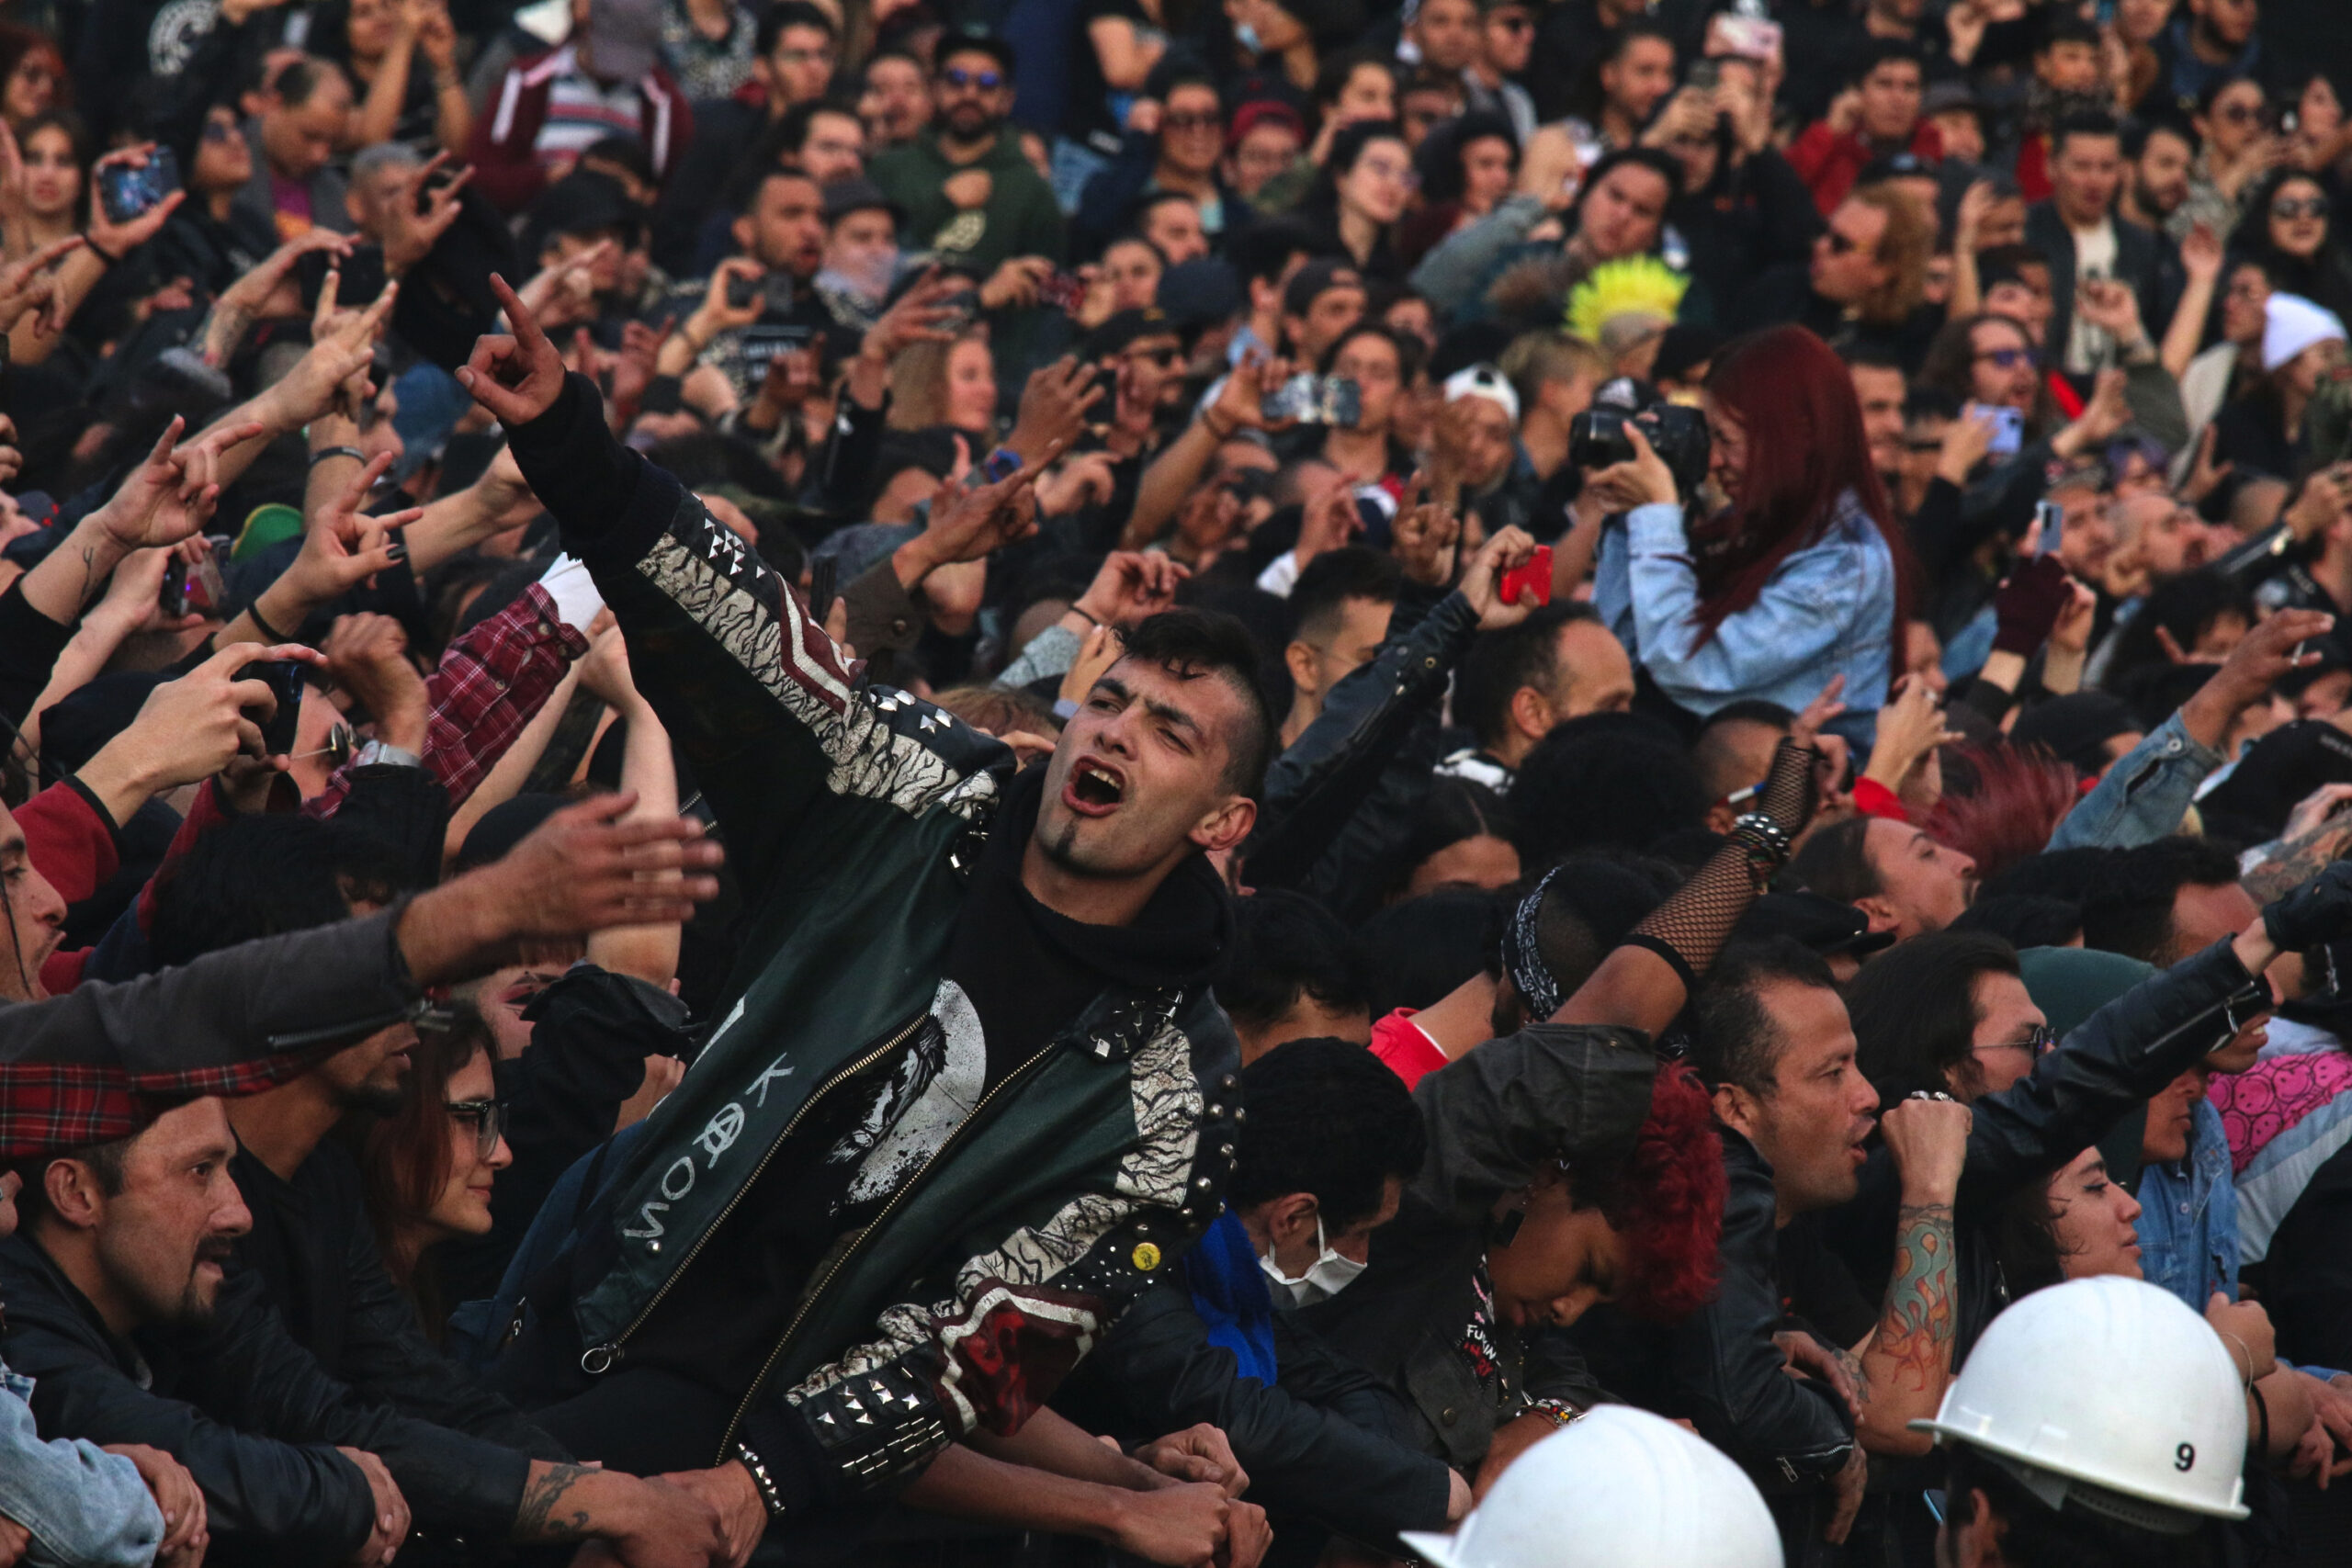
(2109,1393)
(1620,1488)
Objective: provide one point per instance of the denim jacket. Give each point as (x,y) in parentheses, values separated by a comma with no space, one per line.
(83,1507)
(1829,610)
(2188,1216)
(2143,797)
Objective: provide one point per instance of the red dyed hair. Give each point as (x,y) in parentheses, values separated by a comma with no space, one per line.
(1795,399)
(1667,1203)
(2019,798)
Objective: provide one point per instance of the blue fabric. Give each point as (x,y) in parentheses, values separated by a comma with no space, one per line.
(2143,796)
(2188,1217)
(1829,610)
(1229,1292)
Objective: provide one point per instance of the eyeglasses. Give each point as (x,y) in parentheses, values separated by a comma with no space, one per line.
(1163,357)
(2038,1042)
(986,81)
(803,56)
(2287,208)
(219,132)
(1202,120)
(2007,358)
(486,1117)
(2237,113)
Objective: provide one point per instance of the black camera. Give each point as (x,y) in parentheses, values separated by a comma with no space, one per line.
(1597,438)
(284,678)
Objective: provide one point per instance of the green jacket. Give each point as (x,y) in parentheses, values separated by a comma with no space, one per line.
(852,816)
(1018,218)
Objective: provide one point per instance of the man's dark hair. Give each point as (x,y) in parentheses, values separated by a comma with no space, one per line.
(2141,129)
(1914,1009)
(2129,910)
(1733,1039)
(2086,122)
(1416,951)
(1333,578)
(758,179)
(1332,78)
(1590,905)
(1143,206)
(790,13)
(1170,75)
(1872,356)
(2023,920)
(1612,780)
(1877,53)
(257,876)
(625,151)
(298,81)
(107,1162)
(1835,863)
(1501,662)
(1259,252)
(1286,945)
(1189,644)
(2039,1536)
(1326,1117)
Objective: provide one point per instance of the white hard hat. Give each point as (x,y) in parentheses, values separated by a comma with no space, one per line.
(2110,1394)
(1622,1488)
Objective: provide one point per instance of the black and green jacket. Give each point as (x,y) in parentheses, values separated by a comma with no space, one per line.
(852,816)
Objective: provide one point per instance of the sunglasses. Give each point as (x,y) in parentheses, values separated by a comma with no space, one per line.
(2238,114)
(2038,1042)
(218,133)
(986,81)
(486,1117)
(1203,120)
(2008,358)
(2288,209)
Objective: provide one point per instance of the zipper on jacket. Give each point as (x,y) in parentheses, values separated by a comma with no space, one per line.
(809,1297)
(598,1359)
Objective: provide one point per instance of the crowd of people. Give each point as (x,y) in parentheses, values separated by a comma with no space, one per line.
(1530,783)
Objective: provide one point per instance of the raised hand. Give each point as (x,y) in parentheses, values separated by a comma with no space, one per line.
(343,346)
(585,869)
(1329,522)
(30,285)
(1131,585)
(343,548)
(119,240)
(170,495)
(1482,584)
(410,234)
(517,378)
(1053,408)
(1424,536)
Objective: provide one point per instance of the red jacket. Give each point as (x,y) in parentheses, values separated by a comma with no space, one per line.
(503,148)
(1827,161)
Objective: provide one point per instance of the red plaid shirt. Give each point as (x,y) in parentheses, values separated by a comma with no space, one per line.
(48,1108)
(490,684)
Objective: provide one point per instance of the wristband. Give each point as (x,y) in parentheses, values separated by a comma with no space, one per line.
(1087,615)
(268,633)
(1765,842)
(323,453)
(770,1498)
(1665,950)
(1001,464)
(99,251)
(1207,420)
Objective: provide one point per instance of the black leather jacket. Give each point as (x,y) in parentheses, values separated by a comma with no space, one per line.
(1493,1117)
(1328,1441)
(1341,800)
(2112,1061)
(251,1417)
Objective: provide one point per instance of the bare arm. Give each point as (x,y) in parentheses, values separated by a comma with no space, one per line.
(648,953)
(505,780)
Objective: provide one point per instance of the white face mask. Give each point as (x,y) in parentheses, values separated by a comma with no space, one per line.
(1325,1278)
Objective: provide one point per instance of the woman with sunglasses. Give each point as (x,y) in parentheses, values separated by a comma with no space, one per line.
(431,1166)
(2288,228)
(212,241)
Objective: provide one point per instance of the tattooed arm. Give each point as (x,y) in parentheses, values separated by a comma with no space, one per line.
(644,1524)
(1907,1359)
(2318,831)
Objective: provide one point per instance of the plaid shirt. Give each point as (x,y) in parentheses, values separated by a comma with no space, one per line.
(47,1107)
(490,683)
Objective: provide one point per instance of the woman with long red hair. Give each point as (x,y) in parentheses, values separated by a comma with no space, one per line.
(1796,579)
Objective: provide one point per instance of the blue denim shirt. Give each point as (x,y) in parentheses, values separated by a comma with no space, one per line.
(1829,611)
(82,1506)
(2143,797)
(2188,1216)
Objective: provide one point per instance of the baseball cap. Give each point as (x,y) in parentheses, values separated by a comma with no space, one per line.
(624,37)
(1483,382)
(1313,280)
(956,41)
(855,195)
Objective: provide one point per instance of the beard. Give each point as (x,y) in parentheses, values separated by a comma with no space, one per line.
(965,126)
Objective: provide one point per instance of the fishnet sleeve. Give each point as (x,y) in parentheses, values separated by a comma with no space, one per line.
(1689,928)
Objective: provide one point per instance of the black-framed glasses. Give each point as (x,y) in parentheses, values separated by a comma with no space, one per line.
(1192,120)
(986,81)
(2287,208)
(2237,113)
(2038,1042)
(486,1117)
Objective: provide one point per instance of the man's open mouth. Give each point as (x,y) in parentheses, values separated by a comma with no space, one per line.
(1094,789)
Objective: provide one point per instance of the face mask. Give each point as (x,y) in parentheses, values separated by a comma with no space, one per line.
(1247,36)
(1325,1278)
